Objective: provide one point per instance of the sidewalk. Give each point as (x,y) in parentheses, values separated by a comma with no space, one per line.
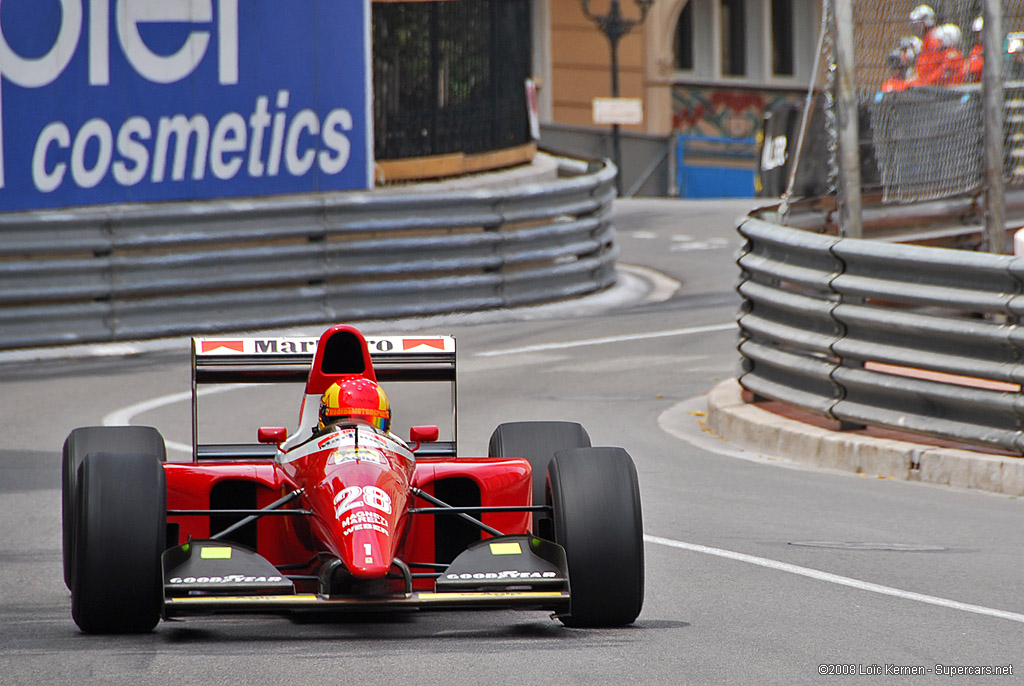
(754,428)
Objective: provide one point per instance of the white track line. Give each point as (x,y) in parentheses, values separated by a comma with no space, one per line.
(836,579)
(608,339)
(125,415)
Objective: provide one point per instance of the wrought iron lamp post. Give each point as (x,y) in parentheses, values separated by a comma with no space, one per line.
(615,27)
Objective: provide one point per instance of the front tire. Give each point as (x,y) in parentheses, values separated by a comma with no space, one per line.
(134,440)
(595,499)
(120,534)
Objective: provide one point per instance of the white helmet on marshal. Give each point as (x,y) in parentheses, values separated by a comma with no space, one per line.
(949,35)
(924,15)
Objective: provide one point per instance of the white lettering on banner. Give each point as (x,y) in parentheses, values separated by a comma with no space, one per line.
(293,141)
(160,68)
(306,120)
(129,145)
(258,121)
(99,39)
(335,123)
(44,70)
(228,138)
(227,41)
(37,72)
(100,130)
(48,181)
(277,137)
(182,129)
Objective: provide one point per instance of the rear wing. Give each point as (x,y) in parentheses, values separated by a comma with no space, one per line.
(289,359)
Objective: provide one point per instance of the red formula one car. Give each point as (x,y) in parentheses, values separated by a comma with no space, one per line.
(346,516)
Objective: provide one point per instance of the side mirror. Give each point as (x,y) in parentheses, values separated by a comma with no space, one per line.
(272,434)
(422,434)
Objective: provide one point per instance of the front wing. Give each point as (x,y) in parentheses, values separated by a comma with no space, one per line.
(555,601)
(513,572)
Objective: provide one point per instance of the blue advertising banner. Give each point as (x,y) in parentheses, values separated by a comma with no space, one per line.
(107,101)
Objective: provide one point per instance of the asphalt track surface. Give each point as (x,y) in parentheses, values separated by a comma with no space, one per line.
(757,572)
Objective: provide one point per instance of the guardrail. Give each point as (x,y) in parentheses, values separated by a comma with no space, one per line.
(866,332)
(131,272)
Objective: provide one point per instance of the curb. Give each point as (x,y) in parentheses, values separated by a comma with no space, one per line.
(753,428)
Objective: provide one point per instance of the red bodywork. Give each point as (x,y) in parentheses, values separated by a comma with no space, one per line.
(358,509)
(298,541)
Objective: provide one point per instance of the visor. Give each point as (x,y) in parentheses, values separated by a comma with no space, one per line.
(378,419)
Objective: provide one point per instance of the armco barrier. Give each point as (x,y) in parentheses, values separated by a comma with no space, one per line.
(130,272)
(867,332)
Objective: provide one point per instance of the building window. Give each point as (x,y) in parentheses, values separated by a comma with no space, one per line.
(733,37)
(684,39)
(757,41)
(782,37)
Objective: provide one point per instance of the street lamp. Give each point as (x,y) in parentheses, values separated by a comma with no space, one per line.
(615,26)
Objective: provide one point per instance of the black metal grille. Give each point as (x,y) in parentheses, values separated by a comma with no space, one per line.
(450,76)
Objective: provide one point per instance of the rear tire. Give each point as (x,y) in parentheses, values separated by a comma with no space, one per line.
(537,442)
(595,498)
(134,440)
(120,534)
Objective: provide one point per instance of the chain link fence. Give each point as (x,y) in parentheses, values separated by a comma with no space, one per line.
(919,88)
(1013,25)
(913,85)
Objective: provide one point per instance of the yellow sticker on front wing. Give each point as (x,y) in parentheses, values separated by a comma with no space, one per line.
(215,552)
(506,548)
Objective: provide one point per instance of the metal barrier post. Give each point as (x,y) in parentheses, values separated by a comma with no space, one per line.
(992,94)
(848,124)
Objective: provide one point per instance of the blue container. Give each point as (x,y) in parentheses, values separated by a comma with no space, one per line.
(714,167)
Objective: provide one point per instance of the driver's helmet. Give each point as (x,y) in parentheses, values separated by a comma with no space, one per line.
(358,401)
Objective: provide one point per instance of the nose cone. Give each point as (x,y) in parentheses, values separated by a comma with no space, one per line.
(366,554)
(362,534)
(358,491)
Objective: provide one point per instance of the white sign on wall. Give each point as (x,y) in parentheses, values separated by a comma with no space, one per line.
(618,111)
